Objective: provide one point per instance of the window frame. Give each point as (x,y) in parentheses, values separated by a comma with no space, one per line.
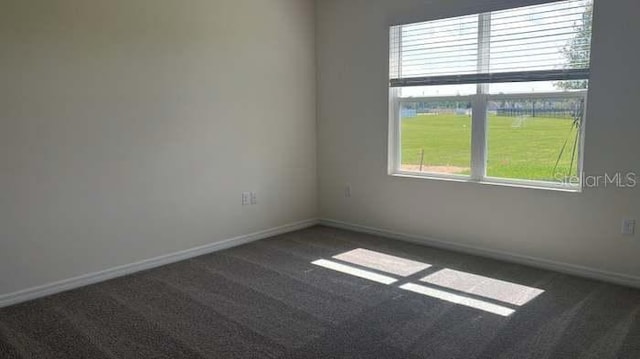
(479,144)
(479,106)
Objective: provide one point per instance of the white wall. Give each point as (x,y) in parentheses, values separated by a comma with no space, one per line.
(128,128)
(575,228)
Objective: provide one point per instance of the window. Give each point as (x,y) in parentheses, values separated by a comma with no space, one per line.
(492,97)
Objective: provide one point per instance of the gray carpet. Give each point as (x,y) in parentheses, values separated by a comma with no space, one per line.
(267,300)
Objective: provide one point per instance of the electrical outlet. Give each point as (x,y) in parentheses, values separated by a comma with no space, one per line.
(246,198)
(254,198)
(628,227)
(347,191)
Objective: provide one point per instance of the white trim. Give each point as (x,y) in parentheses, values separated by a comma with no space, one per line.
(394,139)
(95,277)
(532,184)
(582,134)
(479,136)
(567,268)
(433,175)
(490,181)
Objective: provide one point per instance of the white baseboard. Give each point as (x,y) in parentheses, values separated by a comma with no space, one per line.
(577,270)
(91,278)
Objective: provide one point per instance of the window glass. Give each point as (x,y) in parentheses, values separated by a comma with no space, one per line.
(534,139)
(436,137)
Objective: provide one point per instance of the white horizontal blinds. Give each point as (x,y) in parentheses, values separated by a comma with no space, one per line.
(441,47)
(534,43)
(395,52)
(534,37)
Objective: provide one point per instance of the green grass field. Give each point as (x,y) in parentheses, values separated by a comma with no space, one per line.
(517,148)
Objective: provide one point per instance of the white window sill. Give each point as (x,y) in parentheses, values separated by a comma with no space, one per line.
(490,181)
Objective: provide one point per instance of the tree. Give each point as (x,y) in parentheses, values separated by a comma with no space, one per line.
(578,50)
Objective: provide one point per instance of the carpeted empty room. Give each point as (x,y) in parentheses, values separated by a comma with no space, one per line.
(269,299)
(319,179)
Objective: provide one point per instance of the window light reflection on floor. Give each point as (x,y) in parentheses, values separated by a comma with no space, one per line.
(512,293)
(458,299)
(450,285)
(355,271)
(382,262)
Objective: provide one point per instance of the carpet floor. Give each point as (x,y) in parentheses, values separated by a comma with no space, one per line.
(329,293)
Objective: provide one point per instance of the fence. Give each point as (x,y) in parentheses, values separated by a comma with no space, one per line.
(537,112)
